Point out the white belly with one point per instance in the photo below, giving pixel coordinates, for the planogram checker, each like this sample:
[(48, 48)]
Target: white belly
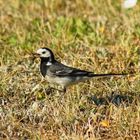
[(65, 81)]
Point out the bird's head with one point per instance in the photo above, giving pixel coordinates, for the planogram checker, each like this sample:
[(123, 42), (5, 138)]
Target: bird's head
[(44, 53)]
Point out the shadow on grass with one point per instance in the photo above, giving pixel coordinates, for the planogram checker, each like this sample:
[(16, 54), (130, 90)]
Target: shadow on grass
[(116, 99)]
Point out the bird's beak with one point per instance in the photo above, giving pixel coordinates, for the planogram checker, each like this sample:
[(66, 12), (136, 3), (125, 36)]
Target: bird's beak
[(36, 55)]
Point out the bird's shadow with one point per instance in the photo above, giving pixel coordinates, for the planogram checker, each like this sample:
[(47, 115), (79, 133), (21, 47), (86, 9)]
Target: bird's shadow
[(116, 99)]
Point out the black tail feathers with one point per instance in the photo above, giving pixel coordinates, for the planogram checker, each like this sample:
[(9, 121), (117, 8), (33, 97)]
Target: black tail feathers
[(106, 75)]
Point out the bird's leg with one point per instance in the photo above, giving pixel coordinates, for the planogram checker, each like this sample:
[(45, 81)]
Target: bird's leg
[(63, 91)]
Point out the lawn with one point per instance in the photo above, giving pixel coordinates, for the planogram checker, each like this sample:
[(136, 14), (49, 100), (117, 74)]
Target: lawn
[(93, 35)]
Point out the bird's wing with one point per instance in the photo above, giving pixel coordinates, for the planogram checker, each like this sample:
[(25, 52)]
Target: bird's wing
[(59, 69), (62, 70)]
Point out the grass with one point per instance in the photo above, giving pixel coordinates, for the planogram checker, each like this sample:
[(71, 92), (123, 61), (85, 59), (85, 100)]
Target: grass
[(92, 35)]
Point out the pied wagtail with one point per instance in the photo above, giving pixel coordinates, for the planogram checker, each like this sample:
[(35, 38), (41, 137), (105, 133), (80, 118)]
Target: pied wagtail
[(56, 72)]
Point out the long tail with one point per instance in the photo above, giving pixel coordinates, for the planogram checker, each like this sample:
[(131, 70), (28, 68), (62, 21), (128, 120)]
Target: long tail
[(106, 75)]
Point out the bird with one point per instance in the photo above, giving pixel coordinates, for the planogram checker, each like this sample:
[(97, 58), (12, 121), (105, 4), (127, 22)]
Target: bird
[(58, 73)]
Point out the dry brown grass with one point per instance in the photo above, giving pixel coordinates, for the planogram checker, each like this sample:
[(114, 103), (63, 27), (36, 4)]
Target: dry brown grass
[(92, 35)]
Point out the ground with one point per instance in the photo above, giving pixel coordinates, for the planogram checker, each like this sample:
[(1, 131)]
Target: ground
[(93, 35)]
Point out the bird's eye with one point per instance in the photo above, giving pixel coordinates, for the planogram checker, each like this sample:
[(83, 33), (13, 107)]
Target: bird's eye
[(43, 52)]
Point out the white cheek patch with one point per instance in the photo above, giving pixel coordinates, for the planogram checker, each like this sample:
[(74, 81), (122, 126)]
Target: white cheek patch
[(47, 54), (40, 52)]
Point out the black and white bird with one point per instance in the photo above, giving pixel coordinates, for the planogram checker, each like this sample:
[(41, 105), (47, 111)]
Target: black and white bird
[(56, 72)]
